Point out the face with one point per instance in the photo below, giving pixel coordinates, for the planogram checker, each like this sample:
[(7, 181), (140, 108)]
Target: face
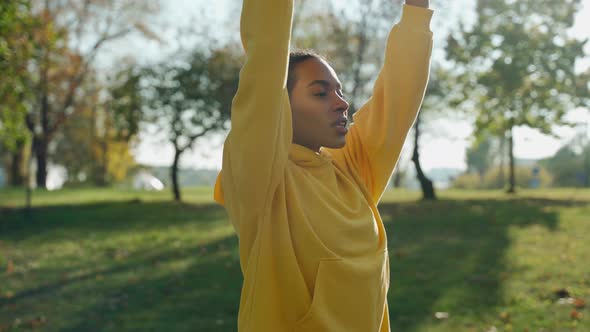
[(318, 107)]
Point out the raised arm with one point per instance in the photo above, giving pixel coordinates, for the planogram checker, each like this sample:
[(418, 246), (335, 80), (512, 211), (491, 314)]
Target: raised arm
[(380, 127), (256, 149)]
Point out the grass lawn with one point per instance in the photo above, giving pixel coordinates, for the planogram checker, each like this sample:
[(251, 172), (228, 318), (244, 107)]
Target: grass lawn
[(116, 260)]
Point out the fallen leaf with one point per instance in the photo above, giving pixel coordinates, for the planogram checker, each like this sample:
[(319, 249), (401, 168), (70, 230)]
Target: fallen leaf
[(576, 314), (579, 303)]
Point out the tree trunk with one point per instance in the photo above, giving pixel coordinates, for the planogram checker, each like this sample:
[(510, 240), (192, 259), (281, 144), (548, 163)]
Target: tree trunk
[(41, 140), (512, 182), (28, 186), (397, 178), (501, 178), (40, 151), (105, 163), (101, 172), (174, 175), (427, 187), (16, 177)]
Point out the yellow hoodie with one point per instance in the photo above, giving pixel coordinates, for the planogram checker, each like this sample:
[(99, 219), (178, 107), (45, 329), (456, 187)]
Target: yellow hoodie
[(313, 249)]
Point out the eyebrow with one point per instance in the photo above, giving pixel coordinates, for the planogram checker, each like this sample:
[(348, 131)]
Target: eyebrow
[(324, 83)]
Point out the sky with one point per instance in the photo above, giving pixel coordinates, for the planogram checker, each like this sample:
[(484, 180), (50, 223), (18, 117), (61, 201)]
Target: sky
[(444, 142)]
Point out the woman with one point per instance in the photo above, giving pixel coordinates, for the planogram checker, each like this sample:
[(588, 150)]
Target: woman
[(301, 186)]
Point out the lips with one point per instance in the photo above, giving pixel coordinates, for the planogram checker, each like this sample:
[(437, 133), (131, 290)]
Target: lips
[(341, 122), (340, 126)]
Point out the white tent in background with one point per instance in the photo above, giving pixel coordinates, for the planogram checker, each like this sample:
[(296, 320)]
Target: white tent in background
[(56, 177), (144, 180)]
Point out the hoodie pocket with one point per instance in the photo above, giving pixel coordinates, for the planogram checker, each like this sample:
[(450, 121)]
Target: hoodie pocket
[(349, 295)]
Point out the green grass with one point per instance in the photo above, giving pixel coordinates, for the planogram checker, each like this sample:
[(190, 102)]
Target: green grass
[(113, 260), (15, 198)]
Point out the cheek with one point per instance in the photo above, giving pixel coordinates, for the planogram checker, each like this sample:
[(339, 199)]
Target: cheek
[(312, 107), (309, 116)]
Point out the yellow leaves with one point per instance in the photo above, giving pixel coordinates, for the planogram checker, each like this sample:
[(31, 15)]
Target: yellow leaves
[(120, 160)]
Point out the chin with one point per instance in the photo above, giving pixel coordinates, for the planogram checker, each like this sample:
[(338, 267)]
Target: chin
[(337, 144)]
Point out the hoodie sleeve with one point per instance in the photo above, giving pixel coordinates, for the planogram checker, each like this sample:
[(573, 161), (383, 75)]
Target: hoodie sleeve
[(380, 126), (256, 149)]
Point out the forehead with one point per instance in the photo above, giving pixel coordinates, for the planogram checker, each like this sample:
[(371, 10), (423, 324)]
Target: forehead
[(314, 70)]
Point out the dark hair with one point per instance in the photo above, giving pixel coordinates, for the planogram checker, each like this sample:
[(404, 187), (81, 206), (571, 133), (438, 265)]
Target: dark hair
[(295, 58)]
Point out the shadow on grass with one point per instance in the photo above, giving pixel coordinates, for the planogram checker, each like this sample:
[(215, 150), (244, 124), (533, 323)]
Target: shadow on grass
[(144, 289), (202, 297), (450, 256), (445, 256), (104, 217)]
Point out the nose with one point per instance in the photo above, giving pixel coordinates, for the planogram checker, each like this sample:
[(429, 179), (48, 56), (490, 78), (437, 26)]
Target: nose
[(341, 104)]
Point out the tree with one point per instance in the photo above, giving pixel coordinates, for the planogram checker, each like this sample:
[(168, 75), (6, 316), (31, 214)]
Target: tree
[(117, 132), (16, 48), (89, 145), (570, 164), (428, 192), (68, 40), (479, 155), (516, 67), (435, 93), (188, 100)]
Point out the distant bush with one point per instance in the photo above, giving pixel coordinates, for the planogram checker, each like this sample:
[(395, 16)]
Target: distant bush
[(492, 179), (470, 180)]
